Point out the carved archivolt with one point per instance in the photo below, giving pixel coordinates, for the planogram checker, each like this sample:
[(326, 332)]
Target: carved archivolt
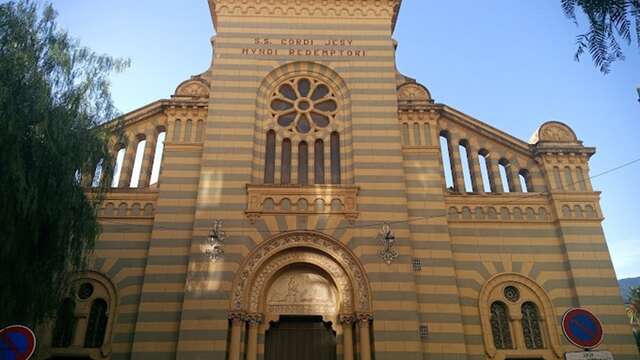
[(195, 87), (553, 131), (413, 92), (301, 247)]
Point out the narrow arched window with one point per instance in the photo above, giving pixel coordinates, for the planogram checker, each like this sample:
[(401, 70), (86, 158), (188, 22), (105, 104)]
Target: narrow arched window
[(137, 163), (526, 184), (303, 163), (405, 134), (558, 179), (199, 130), (97, 324), (97, 175), (65, 324), (581, 181), (157, 158), (531, 330), (416, 134), (568, 177), (446, 160), (187, 131), (504, 175), (463, 149), (483, 159), (117, 169), (176, 131), (285, 168), (427, 133), (319, 161), (270, 157), (500, 326), (335, 158)]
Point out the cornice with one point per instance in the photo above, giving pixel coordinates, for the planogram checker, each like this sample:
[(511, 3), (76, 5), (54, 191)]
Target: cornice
[(322, 8)]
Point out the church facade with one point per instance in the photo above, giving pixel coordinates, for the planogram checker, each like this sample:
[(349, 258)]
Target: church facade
[(302, 199)]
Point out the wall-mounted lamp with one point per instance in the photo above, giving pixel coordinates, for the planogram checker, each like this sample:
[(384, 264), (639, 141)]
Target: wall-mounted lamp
[(215, 241)]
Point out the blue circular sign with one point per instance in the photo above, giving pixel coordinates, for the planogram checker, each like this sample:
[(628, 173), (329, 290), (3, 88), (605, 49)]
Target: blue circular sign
[(582, 328), (17, 342)]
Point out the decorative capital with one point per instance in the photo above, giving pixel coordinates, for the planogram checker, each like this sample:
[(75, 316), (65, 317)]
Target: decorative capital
[(254, 319), (347, 319), (364, 318), (237, 315)]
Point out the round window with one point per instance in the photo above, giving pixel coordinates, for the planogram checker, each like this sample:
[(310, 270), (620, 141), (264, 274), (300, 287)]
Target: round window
[(511, 293), (304, 105), (85, 291)]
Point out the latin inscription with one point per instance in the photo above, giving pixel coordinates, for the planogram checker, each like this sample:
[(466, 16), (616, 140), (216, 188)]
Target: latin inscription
[(304, 47)]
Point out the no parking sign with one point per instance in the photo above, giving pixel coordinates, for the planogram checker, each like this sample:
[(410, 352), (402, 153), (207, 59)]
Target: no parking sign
[(17, 342), (582, 328)]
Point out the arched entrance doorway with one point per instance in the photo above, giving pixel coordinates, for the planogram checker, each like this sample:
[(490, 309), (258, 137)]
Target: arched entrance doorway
[(300, 280)]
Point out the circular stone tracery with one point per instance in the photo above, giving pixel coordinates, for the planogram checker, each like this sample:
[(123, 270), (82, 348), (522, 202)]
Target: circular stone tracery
[(303, 104)]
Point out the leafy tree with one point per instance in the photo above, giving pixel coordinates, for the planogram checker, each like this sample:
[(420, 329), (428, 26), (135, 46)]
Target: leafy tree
[(633, 310), (53, 95), (609, 22)]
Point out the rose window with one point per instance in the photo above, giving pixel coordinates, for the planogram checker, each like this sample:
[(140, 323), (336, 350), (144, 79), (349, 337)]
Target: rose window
[(303, 105)]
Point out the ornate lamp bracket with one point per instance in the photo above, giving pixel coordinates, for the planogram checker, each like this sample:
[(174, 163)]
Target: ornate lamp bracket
[(388, 253), (215, 240)]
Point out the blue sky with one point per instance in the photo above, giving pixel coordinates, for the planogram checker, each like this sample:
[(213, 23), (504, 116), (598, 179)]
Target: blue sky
[(507, 63)]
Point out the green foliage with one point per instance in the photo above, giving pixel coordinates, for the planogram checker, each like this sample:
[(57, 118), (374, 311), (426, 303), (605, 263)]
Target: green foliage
[(53, 95), (609, 22)]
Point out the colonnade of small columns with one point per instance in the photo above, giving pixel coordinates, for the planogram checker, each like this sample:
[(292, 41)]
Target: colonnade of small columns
[(252, 321)]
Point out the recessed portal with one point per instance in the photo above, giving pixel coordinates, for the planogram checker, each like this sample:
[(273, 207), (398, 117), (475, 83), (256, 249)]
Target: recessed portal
[(300, 337)]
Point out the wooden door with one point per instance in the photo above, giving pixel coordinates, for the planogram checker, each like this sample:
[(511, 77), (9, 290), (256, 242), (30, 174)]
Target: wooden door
[(300, 337)]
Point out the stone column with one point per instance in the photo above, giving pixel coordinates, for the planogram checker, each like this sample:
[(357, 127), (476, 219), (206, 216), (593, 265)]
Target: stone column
[(347, 335), (127, 163), (474, 168), (254, 320), (516, 327), (456, 165), (494, 175), (148, 158), (365, 339), (237, 321)]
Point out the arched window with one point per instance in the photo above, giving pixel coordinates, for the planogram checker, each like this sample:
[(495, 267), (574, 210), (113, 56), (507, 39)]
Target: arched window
[(463, 149), (117, 169), (416, 134), (446, 160), (558, 179), (65, 324), (157, 158), (97, 175), (176, 131), (581, 181), (526, 184), (270, 158), (199, 130), (568, 177), (97, 324), (335, 158), (187, 131), (483, 159), (405, 134), (303, 163), (137, 163), (500, 326), (285, 168), (319, 161), (531, 330)]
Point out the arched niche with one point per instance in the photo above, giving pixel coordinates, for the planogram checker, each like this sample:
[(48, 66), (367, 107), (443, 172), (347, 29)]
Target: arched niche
[(528, 291), (300, 248)]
